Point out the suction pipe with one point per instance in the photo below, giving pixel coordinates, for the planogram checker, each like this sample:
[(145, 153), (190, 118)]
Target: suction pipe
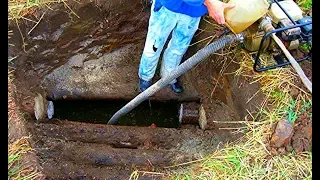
[(181, 69)]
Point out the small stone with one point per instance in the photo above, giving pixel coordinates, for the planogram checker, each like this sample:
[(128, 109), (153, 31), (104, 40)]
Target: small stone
[(153, 125), (39, 37), (282, 134), (50, 110), (147, 144)]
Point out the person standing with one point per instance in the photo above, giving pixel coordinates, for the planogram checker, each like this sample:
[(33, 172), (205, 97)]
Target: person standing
[(181, 18)]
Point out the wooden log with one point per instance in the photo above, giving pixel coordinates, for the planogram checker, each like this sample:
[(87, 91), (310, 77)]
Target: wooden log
[(117, 136), (221, 112), (189, 113), (202, 118), (105, 155)]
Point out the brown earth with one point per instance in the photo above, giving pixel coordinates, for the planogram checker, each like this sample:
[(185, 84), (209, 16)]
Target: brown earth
[(97, 57), (299, 138)]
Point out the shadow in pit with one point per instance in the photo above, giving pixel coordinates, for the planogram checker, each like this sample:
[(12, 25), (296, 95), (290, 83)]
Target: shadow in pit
[(159, 113)]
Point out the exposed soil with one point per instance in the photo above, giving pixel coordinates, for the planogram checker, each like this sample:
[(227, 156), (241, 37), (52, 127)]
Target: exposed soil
[(91, 58), (300, 137), (224, 96), (96, 56)]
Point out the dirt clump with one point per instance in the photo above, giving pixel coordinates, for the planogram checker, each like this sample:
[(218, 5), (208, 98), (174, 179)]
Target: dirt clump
[(302, 137), (282, 134), (287, 137)]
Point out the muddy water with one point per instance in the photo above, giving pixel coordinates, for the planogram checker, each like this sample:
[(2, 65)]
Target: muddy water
[(162, 114)]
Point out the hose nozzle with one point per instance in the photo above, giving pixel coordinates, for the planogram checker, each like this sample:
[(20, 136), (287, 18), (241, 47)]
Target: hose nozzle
[(266, 24), (239, 37)]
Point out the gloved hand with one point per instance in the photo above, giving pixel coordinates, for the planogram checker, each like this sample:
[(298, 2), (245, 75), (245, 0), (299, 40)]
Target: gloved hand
[(216, 9)]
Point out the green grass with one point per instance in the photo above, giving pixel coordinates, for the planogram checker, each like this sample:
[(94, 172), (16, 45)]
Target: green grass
[(305, 47), (292, 113), (306, 5), (249, 156), (16, 169)]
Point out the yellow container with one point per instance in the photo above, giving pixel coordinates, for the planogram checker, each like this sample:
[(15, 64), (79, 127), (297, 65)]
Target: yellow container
[(244, 14)]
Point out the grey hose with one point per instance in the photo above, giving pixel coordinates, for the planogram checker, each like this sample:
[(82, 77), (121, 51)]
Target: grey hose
[(181, 69)]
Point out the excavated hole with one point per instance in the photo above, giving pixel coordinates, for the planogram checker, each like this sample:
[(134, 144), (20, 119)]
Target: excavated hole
[(160, 113), (97, 56)]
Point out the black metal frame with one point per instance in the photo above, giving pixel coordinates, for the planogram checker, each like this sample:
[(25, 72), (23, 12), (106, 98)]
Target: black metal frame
[(279, 30)]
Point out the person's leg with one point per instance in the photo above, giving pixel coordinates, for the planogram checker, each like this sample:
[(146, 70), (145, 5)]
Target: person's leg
[(179, 43), (161, 23)]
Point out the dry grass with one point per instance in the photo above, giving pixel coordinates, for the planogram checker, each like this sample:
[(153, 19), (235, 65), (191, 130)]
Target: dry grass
[(20, 9), (17, 170), (26, 11), (248, 157)]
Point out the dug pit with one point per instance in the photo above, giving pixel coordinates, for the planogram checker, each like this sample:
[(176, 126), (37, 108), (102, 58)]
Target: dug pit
[(159, 113), (88, 67)]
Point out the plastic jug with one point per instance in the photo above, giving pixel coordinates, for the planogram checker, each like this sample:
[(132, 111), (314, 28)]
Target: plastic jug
[(244, 14)]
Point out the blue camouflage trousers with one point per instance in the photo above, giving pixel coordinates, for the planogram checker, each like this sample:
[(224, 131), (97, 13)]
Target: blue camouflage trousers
[(161, 23)]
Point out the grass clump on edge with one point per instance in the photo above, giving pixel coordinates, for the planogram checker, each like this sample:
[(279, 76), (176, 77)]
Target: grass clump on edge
[(18, 149), (306, 5), (23, 11), (19, 9), (16, 169), (248, 158)]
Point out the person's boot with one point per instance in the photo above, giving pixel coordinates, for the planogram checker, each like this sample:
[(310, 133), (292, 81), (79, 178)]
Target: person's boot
[(143, 85), (176, 87)]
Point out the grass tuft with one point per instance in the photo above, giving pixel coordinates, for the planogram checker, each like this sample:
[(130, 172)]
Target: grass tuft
[(306, 5), (249, 157), (19, 9), (16, 169)]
